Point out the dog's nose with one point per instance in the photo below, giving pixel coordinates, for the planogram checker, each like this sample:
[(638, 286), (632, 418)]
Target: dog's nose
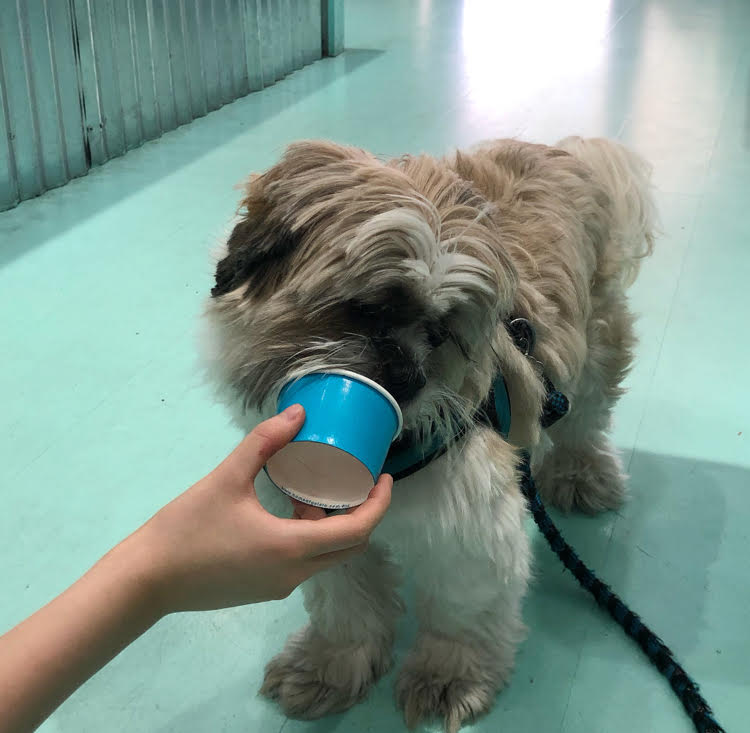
[(401, 375)]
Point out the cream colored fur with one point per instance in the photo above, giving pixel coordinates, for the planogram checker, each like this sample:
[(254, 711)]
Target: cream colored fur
[(335, 248)]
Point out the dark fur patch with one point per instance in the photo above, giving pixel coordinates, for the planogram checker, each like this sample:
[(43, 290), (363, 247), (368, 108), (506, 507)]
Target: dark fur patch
[(390, 308), (257, 251), (402, 376), (437, 332)]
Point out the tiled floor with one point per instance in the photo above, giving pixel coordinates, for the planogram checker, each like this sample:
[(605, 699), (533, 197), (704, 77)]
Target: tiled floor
[(104, 416)]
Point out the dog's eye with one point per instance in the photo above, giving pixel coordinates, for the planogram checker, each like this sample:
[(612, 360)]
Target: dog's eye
[(437, 334), (367, 315), (387, 309)]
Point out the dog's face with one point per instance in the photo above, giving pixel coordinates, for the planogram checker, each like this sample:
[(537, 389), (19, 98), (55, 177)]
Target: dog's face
[(395, 271)]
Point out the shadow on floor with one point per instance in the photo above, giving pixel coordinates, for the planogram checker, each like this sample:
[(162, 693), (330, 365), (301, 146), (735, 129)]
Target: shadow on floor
[(670, 529)]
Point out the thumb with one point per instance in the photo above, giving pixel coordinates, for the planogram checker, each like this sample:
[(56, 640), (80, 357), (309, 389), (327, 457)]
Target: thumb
[(267, 438)]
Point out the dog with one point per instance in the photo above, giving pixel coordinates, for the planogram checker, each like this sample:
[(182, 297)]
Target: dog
[(408, 272)]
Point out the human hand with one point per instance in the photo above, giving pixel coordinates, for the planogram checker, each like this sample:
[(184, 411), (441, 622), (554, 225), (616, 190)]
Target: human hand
[(215, 546)]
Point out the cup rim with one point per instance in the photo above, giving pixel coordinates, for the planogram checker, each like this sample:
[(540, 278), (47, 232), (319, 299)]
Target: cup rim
[(321, 504), (370, 383)]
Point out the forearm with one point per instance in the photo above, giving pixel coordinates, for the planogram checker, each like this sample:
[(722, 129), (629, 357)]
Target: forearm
[(49, 655)]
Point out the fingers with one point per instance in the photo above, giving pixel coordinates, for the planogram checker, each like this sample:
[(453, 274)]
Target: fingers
[(305, 511), (346, 531), (249, 457), (374, 509)]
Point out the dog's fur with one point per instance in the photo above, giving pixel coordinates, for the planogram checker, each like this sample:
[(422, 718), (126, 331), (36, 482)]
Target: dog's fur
[(406, 271)]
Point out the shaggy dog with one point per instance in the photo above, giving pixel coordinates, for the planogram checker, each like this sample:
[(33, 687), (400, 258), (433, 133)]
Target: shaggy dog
[(408, 272)]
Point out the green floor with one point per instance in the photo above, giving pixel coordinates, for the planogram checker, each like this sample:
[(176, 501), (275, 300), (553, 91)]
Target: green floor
[(104, 416)]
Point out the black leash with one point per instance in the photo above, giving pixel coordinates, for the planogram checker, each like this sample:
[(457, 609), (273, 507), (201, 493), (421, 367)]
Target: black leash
[(655, 649)]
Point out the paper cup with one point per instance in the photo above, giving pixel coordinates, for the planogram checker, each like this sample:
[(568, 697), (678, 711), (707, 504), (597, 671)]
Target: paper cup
[(336, 458)]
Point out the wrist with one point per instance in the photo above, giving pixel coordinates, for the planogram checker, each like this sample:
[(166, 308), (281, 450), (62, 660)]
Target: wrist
[(131, 564)]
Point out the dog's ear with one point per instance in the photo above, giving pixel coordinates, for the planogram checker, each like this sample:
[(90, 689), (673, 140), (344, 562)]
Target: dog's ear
[(257, 248)]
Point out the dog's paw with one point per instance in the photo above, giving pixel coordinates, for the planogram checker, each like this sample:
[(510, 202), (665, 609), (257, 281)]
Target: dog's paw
[(445, 679), (423, 696), (311, 677), (590, 481)]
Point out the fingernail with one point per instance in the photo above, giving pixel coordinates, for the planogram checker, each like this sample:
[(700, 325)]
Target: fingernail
[(293, 412)]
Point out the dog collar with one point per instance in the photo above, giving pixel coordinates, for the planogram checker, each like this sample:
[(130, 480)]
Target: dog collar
[(407, 455)]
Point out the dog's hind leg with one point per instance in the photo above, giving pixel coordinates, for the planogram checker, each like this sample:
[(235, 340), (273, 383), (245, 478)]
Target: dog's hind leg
[(582, 469)]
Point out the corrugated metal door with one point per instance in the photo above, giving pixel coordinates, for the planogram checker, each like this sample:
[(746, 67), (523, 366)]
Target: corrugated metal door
[(83, 81), (41, 141)]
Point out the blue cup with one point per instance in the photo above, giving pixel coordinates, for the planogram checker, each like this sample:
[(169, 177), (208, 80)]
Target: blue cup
[(337, 456)]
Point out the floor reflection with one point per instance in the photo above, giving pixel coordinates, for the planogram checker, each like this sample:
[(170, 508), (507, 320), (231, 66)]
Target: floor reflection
[(512, 49)]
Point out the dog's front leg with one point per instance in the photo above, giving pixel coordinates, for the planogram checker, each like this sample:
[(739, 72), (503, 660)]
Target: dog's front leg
[(330, 665), (469, 608)]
